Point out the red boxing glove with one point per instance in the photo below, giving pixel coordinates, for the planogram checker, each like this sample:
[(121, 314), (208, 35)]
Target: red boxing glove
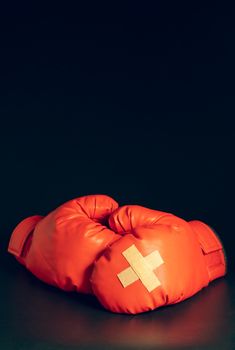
[(60, 248), (160, 260)]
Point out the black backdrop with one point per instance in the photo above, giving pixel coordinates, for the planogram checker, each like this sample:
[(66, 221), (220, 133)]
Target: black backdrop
[(134, 101)]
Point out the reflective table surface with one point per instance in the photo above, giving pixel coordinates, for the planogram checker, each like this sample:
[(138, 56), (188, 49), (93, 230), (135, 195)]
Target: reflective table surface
[(38, 316)]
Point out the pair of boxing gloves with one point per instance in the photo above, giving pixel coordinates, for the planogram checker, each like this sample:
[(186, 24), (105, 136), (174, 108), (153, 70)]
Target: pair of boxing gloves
[(133, 259)]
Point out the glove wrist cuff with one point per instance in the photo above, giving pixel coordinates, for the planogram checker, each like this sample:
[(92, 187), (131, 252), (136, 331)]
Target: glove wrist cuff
[(212, 249), (20, 237)]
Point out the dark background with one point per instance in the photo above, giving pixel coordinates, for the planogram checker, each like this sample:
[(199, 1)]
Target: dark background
[(133, 101)]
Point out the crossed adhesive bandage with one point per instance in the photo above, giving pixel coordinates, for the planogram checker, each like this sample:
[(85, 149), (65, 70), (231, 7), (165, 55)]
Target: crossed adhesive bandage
[(141, 268)]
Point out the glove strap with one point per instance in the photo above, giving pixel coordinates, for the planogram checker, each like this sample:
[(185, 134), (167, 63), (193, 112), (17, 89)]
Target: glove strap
[(212, 249), (20, 236)]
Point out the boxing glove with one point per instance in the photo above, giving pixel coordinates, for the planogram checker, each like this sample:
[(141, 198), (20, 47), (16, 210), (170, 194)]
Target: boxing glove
[(161, 259), (60, 248)]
